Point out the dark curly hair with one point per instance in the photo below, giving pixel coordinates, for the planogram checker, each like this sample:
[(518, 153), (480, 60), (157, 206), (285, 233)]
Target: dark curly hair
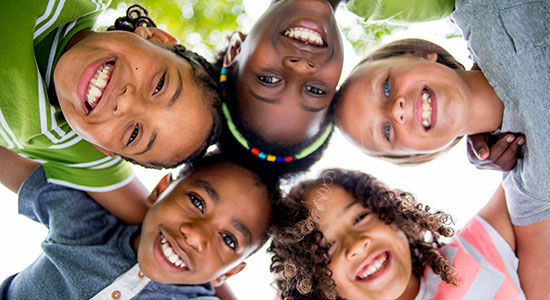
[(204, 73), (230, 145), (417, 47), (300, 259)]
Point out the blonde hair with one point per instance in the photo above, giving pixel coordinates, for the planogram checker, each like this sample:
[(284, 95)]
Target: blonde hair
[(421, 48)]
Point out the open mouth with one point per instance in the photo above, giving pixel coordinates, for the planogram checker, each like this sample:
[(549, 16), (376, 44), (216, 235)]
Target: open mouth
[(97, 85), (170, 254), (305, 35), (426, 109), (371, 269)]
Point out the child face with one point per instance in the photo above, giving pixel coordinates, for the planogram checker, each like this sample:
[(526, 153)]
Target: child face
[(289, 66), (209, 221), (147, 107), (369, 259), (383, 110)]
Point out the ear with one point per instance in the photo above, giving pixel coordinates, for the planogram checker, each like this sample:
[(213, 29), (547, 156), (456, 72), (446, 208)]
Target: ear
[(106, 152), (234, 48), (221, 279), (161, 186), (156, 35), (431, 56)]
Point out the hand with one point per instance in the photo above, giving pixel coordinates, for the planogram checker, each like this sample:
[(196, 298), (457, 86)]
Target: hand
[(502, 155)]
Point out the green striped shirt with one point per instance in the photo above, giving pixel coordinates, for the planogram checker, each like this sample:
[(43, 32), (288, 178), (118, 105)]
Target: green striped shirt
[(33, 35)]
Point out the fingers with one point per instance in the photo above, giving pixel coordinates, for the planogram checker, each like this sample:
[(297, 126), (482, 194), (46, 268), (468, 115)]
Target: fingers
[(505, 152), (501, 156), (477, 145)]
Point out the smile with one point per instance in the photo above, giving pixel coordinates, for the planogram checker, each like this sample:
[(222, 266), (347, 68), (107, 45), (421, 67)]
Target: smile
[(170, 254), (371, 269), (97, 85), (426, 109), (306, 32)]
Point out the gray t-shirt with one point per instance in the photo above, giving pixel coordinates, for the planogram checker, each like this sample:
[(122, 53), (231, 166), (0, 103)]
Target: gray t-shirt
[(85, 250), (510, 41)]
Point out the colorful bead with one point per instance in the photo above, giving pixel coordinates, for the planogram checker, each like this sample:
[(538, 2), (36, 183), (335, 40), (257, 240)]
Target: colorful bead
[(255, 151), (262, 155), (271, 157)]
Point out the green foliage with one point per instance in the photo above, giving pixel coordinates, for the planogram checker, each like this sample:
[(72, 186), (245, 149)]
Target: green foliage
[(365, 36), (198, 24)]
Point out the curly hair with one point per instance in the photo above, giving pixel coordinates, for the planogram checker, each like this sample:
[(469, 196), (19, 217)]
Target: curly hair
[(204, 74), (418, 47), (300, 260), (230, 145)]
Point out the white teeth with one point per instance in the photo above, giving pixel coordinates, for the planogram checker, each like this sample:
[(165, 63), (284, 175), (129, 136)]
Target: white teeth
[(426, 109), (374, 267), (170, 254), (305, 35), (98, 84)]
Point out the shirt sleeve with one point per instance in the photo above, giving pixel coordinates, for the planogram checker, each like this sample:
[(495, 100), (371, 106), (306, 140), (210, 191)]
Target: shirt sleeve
[(72, 217), (401, 11)]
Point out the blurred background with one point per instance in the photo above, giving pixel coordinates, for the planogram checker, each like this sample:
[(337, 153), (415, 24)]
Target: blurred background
[(449, 183)]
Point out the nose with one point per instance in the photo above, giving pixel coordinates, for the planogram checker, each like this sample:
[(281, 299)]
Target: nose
[(194, 237), (125, 101), (398, 110), (357, 248), (299, 65)]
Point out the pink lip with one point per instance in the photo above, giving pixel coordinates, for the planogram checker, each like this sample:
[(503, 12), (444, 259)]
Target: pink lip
[(163, 262), (84, 82), (418, 108), (311, 26), (366, 264)]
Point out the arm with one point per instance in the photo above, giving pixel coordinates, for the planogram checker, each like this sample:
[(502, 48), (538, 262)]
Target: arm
[(127, 202), (496, 214), (533, 242), (530, 242), (15, 169)]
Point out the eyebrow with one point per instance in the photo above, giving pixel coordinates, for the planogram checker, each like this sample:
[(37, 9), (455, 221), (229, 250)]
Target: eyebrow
[(150, 144), (208, 188), (312, 109), (242, 229), (178, 90), (267, 100), (238, 224)]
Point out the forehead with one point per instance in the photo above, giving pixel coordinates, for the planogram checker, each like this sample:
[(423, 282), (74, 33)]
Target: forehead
[(328, 201), (240, 195)]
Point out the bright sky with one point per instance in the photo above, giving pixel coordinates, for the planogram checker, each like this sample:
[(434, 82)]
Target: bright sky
[(449, 183)]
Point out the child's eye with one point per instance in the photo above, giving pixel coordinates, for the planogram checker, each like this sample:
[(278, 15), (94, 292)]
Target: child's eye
[(269, 79), (360, 218), (386, 87), (316, 91), (160, 85), (387, 131), (133, 135), (229, 240), (197, 202)]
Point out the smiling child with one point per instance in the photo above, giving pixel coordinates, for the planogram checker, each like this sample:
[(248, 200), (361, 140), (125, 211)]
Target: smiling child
[(351, 237), (409, 101), (71, 95), (199, 229)]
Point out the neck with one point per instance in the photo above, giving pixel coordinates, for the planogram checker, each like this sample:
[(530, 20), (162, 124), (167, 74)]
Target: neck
[(484, 109), (135, 241), (412, 289)]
